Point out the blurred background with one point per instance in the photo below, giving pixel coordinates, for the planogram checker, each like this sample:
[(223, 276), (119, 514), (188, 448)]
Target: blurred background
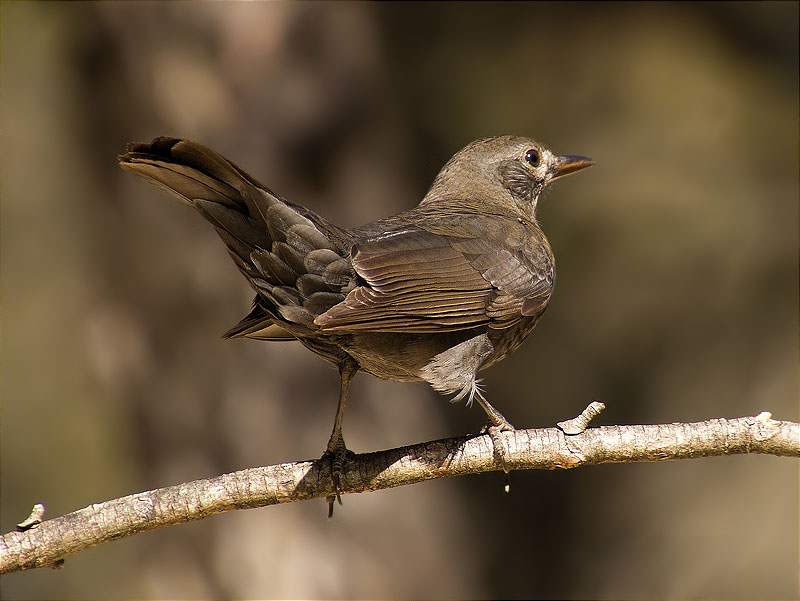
[(677, 293)]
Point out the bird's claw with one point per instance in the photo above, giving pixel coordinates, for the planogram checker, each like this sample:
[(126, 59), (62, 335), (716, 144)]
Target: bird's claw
[(338, 454), (494, 430)]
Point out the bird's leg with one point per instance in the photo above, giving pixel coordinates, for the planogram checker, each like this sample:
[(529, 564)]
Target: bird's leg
[(337, 450), (497, 424)]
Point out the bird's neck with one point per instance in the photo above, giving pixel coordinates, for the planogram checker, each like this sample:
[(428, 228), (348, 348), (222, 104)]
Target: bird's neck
[(475, 199)]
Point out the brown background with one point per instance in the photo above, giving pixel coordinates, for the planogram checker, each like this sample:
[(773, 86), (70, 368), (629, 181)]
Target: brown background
[(676, 297)]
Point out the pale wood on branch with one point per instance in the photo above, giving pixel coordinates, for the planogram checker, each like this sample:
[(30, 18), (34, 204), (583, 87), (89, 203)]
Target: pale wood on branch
[(46, 544)]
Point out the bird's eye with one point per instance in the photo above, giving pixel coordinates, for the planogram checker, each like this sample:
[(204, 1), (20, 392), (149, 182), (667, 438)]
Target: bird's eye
[(533, 157)]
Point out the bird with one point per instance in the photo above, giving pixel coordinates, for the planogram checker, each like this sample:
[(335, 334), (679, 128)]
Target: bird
[(435, 293)]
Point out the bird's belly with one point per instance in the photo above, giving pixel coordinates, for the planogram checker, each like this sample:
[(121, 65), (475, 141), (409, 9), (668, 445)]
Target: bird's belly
[(405, 357), (401, 357)]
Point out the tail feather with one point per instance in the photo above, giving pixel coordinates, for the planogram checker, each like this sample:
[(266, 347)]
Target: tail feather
[(272, 241), (259, 325), (186, 169)]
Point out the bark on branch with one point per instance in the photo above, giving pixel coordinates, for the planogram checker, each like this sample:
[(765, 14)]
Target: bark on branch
[(46, 544)]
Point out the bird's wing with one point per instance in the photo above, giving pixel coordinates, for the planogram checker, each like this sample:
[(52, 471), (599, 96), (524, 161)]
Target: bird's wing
[(419, 281)]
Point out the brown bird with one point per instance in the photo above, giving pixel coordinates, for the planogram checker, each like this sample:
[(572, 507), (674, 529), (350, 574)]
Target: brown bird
[(436, 293)]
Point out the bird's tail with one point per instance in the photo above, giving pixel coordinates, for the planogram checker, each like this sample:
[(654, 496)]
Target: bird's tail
[(292, 257), (234, 203)]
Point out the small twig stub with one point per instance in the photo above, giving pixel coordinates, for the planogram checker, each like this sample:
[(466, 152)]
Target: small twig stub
[(34, 519), (576, 425)]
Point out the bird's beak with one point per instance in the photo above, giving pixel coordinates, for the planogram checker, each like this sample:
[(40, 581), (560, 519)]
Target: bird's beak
[(569, 163)]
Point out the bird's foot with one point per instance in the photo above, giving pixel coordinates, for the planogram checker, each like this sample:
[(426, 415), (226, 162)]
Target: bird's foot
[(494, 430), (497, 424), (338, 454)]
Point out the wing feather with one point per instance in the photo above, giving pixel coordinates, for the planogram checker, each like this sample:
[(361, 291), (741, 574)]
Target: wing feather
[(419, 281)]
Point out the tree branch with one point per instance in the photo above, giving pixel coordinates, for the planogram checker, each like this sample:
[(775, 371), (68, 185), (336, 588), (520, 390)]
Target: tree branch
[(45, 544)]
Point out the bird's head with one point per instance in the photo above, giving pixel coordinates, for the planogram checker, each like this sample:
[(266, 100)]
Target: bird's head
[(502, 170)]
